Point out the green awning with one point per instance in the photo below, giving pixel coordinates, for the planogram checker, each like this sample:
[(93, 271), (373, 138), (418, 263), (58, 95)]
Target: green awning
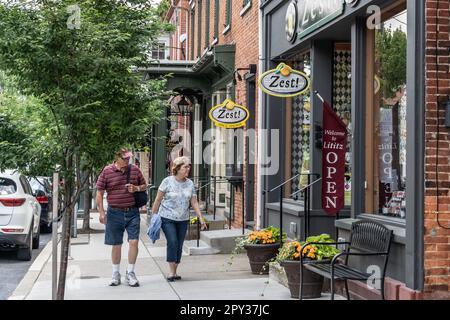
[(209, 73)]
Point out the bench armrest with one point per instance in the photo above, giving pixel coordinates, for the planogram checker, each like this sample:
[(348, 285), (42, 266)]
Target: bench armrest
[(326, 243), (341, 242), (333, 261)]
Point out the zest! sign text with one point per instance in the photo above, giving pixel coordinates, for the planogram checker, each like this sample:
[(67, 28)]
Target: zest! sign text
[(229, 115), (284, 82)]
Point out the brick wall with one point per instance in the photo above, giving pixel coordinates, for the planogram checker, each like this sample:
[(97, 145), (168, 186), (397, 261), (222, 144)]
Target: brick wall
[(244, 34), (436, 238)]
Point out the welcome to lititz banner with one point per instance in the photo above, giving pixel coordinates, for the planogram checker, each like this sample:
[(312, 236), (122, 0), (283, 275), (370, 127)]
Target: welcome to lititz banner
[(333, 161)]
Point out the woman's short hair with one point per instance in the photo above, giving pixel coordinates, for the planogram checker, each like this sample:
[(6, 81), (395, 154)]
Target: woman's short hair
[(178, 163)]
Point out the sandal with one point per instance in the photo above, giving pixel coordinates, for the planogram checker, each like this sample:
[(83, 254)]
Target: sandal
[(171, 279), (177, 277)]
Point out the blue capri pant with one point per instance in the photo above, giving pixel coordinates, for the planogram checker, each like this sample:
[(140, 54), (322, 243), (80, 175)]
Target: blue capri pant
[(175, 232)]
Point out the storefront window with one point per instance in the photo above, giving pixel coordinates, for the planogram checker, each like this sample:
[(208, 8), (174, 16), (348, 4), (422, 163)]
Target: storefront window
[(342, 103), (386, 161), (300, 124)]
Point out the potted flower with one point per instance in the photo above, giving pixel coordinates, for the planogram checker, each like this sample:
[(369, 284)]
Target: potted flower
[(192, 232), (289, 259), (261, 246)]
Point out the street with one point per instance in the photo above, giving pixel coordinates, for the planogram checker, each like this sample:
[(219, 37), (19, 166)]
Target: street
[(12, 270)]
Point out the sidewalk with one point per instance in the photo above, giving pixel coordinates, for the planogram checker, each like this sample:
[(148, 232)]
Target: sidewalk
[(205, 277)]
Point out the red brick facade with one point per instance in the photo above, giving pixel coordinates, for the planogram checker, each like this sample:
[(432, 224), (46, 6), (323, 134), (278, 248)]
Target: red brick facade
[(436, 238), (178, 15)]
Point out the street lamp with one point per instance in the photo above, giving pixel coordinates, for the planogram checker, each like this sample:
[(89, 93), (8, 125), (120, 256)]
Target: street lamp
[(183, 106)]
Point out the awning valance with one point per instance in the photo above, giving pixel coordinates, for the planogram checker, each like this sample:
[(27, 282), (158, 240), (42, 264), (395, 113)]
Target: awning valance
[(209, 73)]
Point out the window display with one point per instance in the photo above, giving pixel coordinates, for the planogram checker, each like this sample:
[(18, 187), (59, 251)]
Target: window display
[(388, 108)]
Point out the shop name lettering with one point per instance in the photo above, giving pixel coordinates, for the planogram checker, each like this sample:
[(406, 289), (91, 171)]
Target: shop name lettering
[(277, 83), (226, 114), (315, 10)]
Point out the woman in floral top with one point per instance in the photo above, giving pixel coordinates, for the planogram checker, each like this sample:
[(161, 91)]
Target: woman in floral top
[(175, 195)]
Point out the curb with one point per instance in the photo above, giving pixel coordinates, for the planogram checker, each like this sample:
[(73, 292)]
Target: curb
[(26, 285)]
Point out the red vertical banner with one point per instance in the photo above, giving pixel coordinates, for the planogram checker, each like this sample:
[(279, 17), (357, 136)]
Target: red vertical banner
[(333, 161)]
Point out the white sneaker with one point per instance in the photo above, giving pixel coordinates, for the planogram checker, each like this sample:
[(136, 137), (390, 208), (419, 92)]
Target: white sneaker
[(131, 279), (115, 281)]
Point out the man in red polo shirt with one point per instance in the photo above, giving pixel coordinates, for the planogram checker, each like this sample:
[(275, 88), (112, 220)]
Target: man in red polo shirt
[(122, 214)]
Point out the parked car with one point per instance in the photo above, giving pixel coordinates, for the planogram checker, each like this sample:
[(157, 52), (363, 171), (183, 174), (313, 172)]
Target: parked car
[(19, 215), (42, 190)]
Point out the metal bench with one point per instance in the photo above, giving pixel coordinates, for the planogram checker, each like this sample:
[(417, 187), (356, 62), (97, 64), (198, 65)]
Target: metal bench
[(367, 238)]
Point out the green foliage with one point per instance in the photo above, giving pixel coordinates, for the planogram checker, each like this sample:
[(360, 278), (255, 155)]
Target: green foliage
[(291, 250), (26, 132), (194, 220), (321, 250), (390, 55), (91, 98)]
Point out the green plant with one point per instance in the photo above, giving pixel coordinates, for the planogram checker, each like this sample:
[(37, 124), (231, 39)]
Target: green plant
[(291, 250), (194, 220)]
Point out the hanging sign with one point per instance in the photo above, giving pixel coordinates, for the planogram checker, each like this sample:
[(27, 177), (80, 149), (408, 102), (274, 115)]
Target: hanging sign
[(229, 115), (283, 81), (309, 15), (315, 13), (333, 161)]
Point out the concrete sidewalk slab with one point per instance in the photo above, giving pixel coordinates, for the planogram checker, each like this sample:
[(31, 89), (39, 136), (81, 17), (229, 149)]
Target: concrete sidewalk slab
[(234, 289), (204, 277), (97, 250), (153, 287)]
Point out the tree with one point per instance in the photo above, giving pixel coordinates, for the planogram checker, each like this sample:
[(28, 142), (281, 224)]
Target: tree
[(391, 57), (79, 59), (25, 131)]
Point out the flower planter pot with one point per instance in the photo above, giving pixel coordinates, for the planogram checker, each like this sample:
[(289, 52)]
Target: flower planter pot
[(312, 282), (259, 254)]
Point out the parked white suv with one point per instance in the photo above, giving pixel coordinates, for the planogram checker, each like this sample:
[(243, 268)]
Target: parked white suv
[(19, 215)]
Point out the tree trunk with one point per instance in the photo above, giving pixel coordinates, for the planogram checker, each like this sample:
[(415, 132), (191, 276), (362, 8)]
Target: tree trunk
[(65, 240), (86, 208), (69, 186)]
